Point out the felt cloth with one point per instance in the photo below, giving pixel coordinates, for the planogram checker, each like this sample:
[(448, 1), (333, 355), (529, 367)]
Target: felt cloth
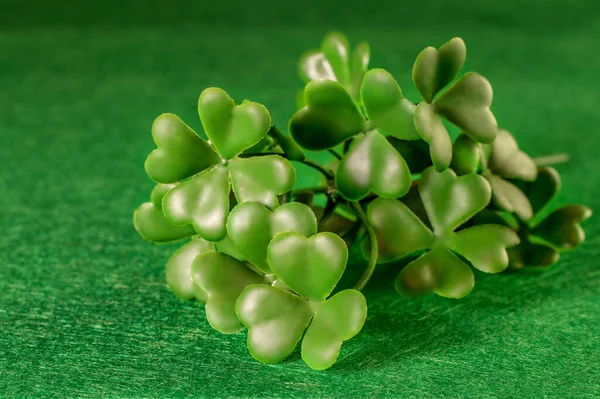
[(84, 310)]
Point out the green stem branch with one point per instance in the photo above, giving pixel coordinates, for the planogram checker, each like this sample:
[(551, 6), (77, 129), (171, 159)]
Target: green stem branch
[(553, 159), (318, 167), (366, 276)]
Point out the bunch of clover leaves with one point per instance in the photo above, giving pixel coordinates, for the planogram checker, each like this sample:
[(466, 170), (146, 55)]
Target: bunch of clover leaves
[(261, 255)]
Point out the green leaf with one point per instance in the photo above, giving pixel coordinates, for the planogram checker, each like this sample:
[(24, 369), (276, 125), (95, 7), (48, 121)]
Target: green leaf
[(466, 104), (432, 130), (386, 106), (359, 66), (508, 161), (340, 318), (450, 200), (226, 246), (276, 320), (434, 69), (336, 49), (465, 155), (151, 223), (251, 227), (261, 179), (222, 278), (313, 65), (399, 231), (329, 118), (202, 201), (438, 271), (310, 266), (544, 189), (509, 197), (484, 246), (179, 270), (232, 129), (532, 254), (372, 164), (181, 153), (562, 227)]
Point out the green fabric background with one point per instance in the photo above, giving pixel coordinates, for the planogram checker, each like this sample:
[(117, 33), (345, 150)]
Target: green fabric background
[(84, 311)]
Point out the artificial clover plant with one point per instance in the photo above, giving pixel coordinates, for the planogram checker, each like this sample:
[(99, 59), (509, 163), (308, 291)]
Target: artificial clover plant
[(266, 256)]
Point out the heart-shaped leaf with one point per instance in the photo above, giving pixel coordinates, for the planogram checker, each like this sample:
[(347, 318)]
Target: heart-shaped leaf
[(222, 278), (181, 152), (261, 179), (251, 227), (372, 164), (434, 69), (432, 130), (450, 200), (231, 128), (544, 189), (310, 266), (151, 223), (466, 104), (329, 118), (438, 271), (179, 270), (562, 227), (386, 106), (509, 197), (508, 161), (465, 155), (399, 231), (202, 201), (276, 320), (336, 49), (484, 246), (340, 318)]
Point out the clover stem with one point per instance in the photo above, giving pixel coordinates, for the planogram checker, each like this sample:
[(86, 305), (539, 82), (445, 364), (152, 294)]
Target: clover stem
[(334, 153), (314, 190), (366, 276), (553, 159), (318, 167)]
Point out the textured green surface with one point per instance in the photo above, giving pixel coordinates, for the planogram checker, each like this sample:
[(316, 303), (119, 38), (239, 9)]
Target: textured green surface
[(83, 306)]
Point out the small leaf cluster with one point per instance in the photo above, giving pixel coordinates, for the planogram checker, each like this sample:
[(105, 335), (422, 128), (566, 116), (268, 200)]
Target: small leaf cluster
[(261, 255)]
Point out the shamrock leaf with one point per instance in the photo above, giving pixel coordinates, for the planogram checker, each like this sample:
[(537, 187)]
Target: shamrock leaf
[(251, 226), (333, 61), (202, 201), (465, 104), (151, 223), (434, 69), (310, 266), (276, 320), (231, 129), (562, 227), (329, 118), (372, 164), (222, 278), (181, 152), (465, 155), (337, 320), (449, 202), (386, 107), (179, 270), (507, 161)]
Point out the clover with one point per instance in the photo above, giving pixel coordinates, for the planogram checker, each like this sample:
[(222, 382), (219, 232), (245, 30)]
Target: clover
[(507, 162), (546, 233), (465, 104), (334, 61), (330, 117), (208, 172), (277, 318), (449, 202)]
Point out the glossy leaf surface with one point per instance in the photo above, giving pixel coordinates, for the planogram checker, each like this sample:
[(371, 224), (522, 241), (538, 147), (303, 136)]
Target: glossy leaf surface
[(179, 270), (251, 226), (276, 320), (337, 320), (432, 130), (465, 155), (509, 197), (434, 69), (329, 118), (222, 278), (231, 129), (386, 107), (310, 266), (181, 153), (508, 161), (372, 164)]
